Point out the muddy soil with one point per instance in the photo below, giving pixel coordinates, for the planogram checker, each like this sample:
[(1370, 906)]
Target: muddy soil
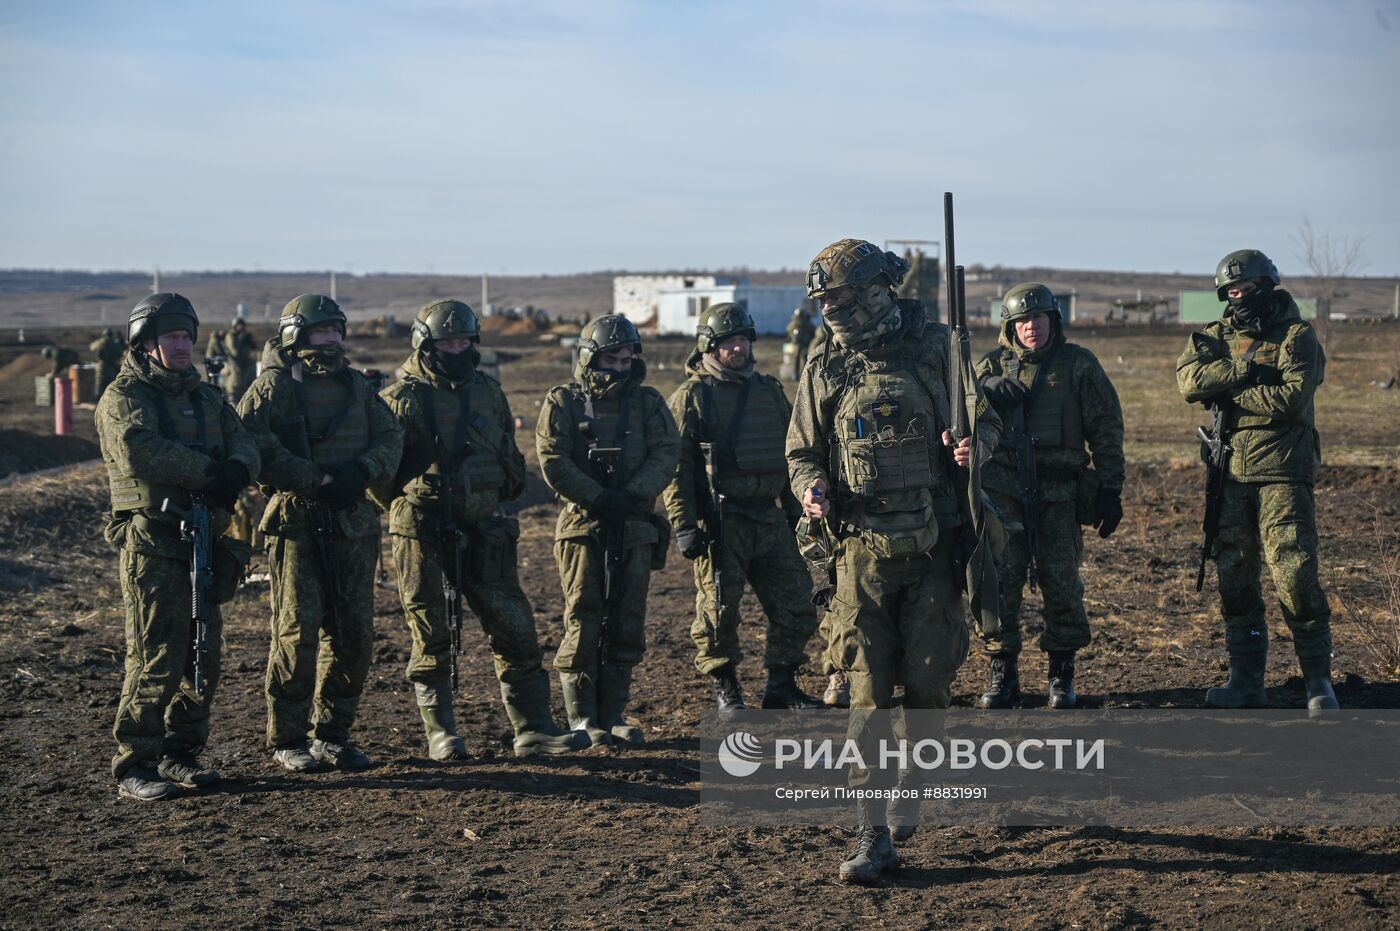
[(611, 838)]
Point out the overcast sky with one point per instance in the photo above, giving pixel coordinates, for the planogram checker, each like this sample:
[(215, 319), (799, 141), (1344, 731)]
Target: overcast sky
[(524, 136)]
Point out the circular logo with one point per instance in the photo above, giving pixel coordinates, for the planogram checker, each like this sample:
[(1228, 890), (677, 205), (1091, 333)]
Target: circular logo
[(740, 754)]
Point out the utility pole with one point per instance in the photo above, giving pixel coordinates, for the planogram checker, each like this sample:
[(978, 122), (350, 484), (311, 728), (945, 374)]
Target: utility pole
[(332, 285), (485, 296), (155, 281)]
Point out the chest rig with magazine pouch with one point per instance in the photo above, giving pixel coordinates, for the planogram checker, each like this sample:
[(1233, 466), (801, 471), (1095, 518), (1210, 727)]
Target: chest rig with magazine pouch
[(471, 465), (611, 450), (892, 487), (186, 422), (1049, 416)]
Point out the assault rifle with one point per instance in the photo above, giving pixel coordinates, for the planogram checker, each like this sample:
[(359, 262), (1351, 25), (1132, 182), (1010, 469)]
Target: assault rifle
[(1217, 446), (196, 531), (451, 550), (606, 462), (1030, 504), (323, 533), (715, 518), (213, 369)]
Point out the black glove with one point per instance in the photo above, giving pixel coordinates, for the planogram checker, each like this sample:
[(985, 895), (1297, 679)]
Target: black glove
[(1006, 394), (347, 484), (1268, 375), (692, 541), (1108, 511), (226, 479)]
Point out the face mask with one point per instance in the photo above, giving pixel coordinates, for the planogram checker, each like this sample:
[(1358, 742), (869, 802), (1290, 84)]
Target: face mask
[(602, 383), (1252, 312), (863, 322), (457, 366), (321, 359)]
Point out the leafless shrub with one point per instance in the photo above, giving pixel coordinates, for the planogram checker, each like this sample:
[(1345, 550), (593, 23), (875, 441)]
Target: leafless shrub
[(1373, 623)]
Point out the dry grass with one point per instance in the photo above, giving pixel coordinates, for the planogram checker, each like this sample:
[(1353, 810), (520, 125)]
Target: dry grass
[(1372, 621)]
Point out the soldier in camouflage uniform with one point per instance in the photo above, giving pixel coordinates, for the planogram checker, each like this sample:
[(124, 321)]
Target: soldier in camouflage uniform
[(241, 352), (459, 445), (743, 414), (1061, 410), (61, 359), (324, 436), (109, 350), (166, 436), (607, 445), (1263, 364), (800, 331), (868, 455)]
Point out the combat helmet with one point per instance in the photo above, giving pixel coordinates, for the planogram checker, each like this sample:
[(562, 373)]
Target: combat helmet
[(609, 332), (447, 319), (1244, 265), (142, 325), (852, 263), (721, 321), (306, 312), (1024, 300)]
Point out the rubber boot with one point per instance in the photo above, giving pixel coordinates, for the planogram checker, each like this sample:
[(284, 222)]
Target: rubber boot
[(1003, 682), (614, 691), (875, 854), (581, 705), (729, 695), (527, 706), (1062, 680), (1314, 653), (435, 706), (1249, 654), (838, 691), (782, 690)]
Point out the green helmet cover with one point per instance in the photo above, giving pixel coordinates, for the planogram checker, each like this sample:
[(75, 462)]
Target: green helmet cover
[(447, 319), (141, 325), (306, 312), (608, 332), (1023, 300), (721, 321), (1244, 265)]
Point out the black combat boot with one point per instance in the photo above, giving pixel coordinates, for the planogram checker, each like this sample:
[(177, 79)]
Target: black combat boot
[(1249, 654), (1314, 651), (1062, 680), (782, 690), (1003, 682), (580, 691), (729, 695), (143, 784), (903, 812), (875, 854)]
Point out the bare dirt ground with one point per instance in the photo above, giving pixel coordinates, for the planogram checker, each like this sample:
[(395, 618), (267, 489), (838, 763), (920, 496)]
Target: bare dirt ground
[(613, 839)]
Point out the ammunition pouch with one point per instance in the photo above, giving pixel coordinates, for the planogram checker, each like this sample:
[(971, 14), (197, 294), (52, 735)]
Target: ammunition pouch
[(491, 549), (230, 562), (1086, 493), (663, 541), (875, 466)]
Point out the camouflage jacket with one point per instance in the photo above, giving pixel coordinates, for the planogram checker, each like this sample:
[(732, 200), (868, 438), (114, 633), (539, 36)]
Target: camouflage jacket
[(1075, 402), (412, 495), (812, 440), (273, 411), (129, 429), (1270, 384), (652, 454), (762, 496)]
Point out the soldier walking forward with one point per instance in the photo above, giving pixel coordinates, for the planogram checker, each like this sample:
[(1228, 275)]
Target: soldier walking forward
[(868, 453), (1258, 368), (459, 463), (607, 446), (171, 442), (1061, 414), (324, 436), (733, 513)]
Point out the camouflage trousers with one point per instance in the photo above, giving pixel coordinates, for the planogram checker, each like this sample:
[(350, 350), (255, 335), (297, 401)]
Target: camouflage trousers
[(237, 381), (1278, 522), (320, 651), (765, 554), (498, 602), (581, 562), (159, 713), (1058, 551), (894, 621)]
